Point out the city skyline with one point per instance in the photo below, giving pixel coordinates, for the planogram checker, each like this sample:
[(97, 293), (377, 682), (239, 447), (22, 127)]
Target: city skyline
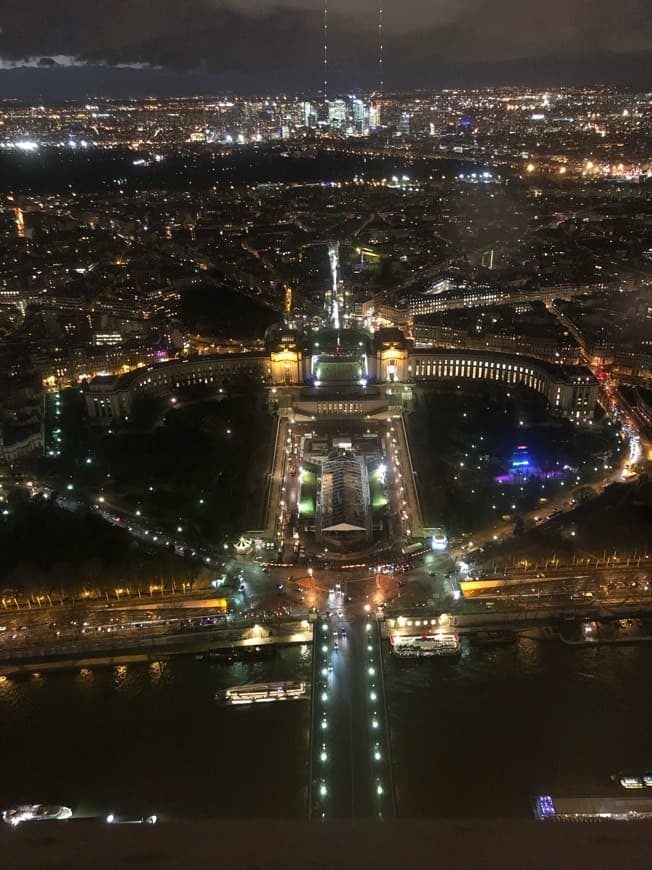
[(325, 429)]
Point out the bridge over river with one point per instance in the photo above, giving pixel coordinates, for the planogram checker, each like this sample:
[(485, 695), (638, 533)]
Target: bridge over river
[(350, 753)]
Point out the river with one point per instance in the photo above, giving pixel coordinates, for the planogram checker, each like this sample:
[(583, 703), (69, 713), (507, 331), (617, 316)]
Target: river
[(478, 736), (152, 739), (482, 735)]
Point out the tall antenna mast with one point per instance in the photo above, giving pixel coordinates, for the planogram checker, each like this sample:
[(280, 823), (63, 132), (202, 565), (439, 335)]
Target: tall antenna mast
[(325, 49), (380, 49)]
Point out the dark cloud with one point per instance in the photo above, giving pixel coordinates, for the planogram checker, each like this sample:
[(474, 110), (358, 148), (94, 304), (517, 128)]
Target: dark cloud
[(280, 40), (175, 35)]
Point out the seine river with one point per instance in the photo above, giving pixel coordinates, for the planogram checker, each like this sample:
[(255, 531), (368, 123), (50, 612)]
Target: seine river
[(474, 737), (481, 736), (152, 739)]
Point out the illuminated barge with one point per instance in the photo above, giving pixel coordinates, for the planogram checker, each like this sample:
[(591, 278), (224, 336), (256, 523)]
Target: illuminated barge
[(258, 693)]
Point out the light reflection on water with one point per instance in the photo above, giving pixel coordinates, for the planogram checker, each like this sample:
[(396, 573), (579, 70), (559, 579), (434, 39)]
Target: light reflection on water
[(150, 738), (475, 736)]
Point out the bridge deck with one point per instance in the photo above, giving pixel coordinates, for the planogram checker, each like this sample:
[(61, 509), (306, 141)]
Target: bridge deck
[(350, 769)]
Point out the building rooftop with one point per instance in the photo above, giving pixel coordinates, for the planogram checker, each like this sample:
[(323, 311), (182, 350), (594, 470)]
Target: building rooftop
[(343, 503)]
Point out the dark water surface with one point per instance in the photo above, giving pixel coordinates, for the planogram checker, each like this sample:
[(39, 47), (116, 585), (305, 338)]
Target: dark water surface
[(474, 737), (482, 735), (152, 739)]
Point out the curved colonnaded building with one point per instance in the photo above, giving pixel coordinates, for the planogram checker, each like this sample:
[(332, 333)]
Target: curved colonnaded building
[(333, 362)]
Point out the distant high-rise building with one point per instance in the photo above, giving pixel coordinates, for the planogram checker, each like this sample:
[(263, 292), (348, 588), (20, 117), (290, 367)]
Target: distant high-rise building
[(404, 123), (360, 115), (309, 115), (337, 114), (374, 116)]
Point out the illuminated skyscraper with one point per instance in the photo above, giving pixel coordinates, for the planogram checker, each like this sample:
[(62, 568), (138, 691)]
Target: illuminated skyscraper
[(337, 114), (360, 115), (309, 115)]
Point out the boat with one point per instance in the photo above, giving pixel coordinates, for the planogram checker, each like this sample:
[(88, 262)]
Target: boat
[(112, 819), (633, 781), (257, 693), (425, 645), (36, 813), (579, 809), (620, 631)]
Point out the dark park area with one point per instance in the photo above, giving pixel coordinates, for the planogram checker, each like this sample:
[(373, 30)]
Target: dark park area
[(465, 441), (196, 468), (46, 549), (617, 522), (213, 308)]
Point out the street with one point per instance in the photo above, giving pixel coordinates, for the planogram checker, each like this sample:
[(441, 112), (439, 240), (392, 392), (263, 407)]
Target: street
[(351, 775)]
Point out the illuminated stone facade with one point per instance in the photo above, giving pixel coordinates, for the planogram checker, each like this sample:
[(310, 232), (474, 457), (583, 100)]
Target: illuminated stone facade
[(570, 391)]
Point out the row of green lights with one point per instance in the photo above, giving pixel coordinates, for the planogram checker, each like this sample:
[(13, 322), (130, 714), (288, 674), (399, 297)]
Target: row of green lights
[(375, 724)]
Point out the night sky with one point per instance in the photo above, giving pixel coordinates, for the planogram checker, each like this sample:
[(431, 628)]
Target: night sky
[(78, 47)]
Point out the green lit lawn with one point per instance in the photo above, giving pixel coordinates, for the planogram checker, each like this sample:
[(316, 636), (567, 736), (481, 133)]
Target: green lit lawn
[(376, 492), (308, 493)]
